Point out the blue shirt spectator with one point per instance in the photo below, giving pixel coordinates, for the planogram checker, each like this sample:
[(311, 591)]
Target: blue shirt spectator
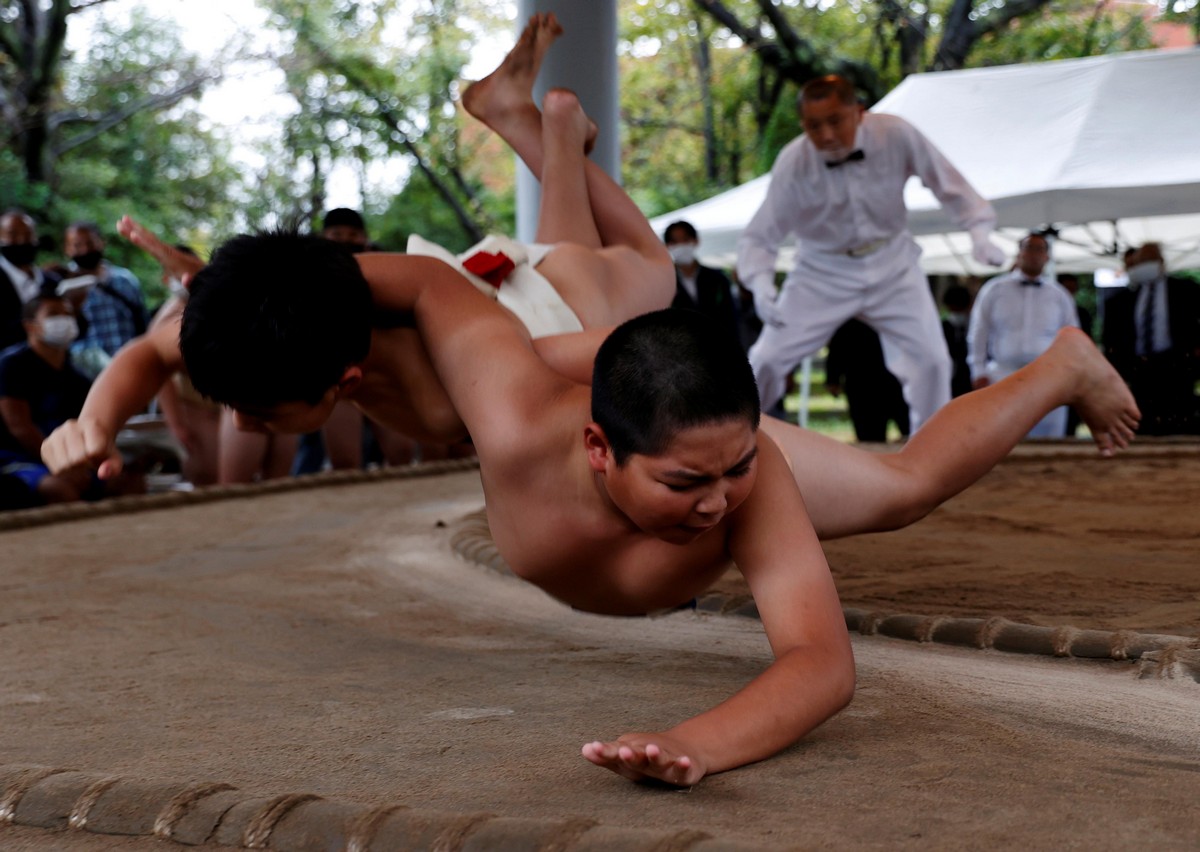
[(113, 309)]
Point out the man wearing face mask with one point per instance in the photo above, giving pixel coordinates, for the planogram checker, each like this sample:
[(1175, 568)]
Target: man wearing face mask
[(39, 391), (700, 288), (113, 309), (839, 189), (1152, 336), (20, 278)]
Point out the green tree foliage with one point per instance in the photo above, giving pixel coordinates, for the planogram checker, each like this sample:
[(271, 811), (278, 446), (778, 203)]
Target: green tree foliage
[(161, 165), (380, 79), (709, 87), (109, 131)]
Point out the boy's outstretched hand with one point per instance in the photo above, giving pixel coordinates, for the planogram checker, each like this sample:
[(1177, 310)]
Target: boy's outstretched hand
[(174, 262), (643, 756)]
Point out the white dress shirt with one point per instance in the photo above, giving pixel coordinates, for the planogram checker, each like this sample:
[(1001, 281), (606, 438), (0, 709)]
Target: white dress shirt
[(855, 204), (1013, 323), (689, 283), (27, 286)]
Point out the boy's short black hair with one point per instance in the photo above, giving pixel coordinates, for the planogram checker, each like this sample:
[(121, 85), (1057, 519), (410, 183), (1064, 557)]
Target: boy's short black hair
[(274, 318), (666, 371)]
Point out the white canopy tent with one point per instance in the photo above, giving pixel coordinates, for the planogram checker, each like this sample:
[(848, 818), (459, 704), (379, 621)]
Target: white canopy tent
[(1105, 149)]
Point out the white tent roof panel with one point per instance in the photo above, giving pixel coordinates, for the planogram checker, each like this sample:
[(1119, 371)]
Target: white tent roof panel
[(1056, 143)]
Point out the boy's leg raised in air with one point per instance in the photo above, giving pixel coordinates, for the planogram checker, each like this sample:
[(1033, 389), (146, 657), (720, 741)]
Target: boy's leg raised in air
[(850, 491), (581, 205)]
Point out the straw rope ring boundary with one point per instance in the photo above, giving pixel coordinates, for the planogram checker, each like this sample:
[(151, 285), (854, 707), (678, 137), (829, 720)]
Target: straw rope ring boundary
[(1160, 655)]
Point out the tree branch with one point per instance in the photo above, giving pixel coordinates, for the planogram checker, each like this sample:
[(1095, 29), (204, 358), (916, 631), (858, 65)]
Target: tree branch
[(1010, 11), (86, 4), (800, 50), (961, 33), (111, 119), (393, 123), (768, 51)]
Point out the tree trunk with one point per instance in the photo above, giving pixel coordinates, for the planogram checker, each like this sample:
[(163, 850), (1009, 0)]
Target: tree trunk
[(712, 153)]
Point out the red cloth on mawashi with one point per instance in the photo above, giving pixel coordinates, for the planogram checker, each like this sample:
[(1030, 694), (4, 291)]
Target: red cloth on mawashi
[(491, 267)]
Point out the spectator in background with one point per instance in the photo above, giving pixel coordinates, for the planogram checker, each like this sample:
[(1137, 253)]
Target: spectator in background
[(749, 325), (957, 300), (839, 190), (346, 226), (1015, 319), (113, 307), (873, 395), (39, 391), (1152, 336), (700, 288), (1070, 281), (20, 279)]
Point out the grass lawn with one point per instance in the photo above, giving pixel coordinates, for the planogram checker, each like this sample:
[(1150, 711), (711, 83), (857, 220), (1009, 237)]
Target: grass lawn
[(826, 414)]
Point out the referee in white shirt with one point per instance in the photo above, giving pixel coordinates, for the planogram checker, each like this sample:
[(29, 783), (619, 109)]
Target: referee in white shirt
[(839, 189), (1015, 319)]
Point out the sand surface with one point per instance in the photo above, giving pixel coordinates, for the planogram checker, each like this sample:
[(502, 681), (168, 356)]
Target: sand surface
[(1051, 537), (328, 641)]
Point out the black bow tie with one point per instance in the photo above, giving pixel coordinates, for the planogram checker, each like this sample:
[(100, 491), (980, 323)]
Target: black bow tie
[(1030, 282), (853, 156)]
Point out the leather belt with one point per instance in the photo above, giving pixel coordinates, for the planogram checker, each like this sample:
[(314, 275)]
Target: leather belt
[(867, 248)]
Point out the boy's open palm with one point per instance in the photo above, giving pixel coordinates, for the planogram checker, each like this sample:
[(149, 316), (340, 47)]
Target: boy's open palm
[(642, 756)]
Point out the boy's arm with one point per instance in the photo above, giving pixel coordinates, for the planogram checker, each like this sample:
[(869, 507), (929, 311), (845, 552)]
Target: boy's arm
[(812, 677), (396, 280), (175, 263), (572, 355), (483, 356), (393, 280), (123, 389)]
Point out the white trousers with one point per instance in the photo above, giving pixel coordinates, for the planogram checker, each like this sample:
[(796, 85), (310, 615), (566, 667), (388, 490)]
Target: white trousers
[(889, 292)]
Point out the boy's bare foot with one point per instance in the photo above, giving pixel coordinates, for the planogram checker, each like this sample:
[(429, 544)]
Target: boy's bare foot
[(509, 88), (562, 112), (1102, 398)]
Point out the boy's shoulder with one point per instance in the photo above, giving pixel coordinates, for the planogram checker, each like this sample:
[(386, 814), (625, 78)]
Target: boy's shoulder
[(542, 446)]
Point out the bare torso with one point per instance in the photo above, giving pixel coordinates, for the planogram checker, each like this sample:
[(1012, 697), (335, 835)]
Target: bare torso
[(555, 529), (401, 390)]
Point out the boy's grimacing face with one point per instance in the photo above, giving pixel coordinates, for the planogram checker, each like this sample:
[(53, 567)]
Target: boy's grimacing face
[(288, 418), (705, 473)]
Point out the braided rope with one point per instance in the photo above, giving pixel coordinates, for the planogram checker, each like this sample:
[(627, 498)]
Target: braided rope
[(258, 832), (174, 811), (59, 513), (472, 541), (87, 800)]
